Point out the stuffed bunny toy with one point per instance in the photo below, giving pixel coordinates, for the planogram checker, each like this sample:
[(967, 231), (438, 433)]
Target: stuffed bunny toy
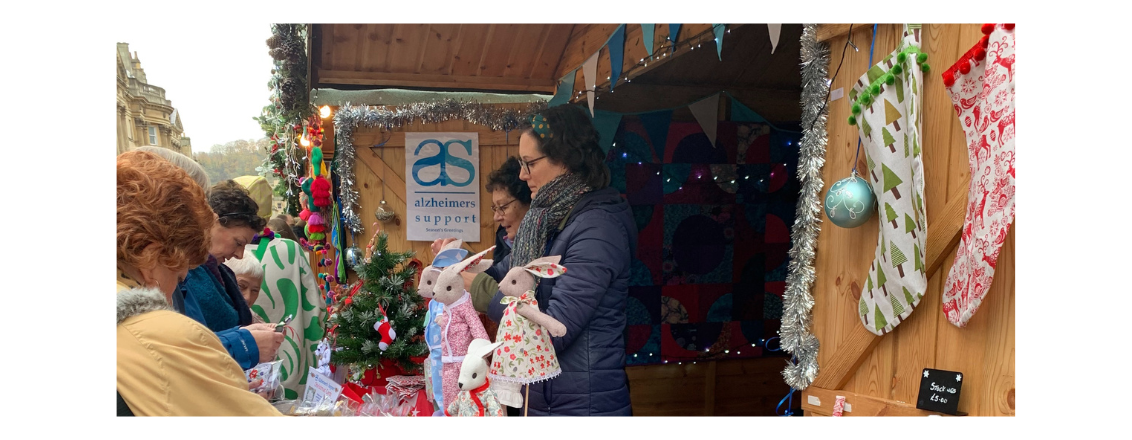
[(459, 322), (527, 355), (450, 254), (476, 398)]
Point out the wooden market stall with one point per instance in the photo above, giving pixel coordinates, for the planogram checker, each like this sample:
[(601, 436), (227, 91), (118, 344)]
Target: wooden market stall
[(881, 375), (349, 62)]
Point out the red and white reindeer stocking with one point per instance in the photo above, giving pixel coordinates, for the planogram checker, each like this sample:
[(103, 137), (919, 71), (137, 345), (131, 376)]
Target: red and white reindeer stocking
[(981, 84)]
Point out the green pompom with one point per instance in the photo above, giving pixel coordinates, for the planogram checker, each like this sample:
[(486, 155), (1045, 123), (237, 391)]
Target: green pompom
[(925, 67), (856, 108), (316, 161), (306, 187), (852, 120), (875, 89), (897, 69), (900, 57), (921, 58), (889, 79)]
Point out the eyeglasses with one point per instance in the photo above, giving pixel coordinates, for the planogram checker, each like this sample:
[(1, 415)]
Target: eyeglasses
[(527, 165), (502, 208)]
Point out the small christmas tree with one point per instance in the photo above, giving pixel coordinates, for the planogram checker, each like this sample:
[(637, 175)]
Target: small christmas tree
[(890, 214), (388, 289), (898, 259), (891, 180)]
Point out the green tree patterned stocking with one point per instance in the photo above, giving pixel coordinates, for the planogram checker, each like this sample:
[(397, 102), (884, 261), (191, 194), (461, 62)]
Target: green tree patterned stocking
[(889, 95)]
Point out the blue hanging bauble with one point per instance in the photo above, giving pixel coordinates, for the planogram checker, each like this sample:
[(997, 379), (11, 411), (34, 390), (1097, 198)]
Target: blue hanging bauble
[(850, 202)]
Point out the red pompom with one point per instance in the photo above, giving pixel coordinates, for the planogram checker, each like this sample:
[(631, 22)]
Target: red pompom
[(304, 214), (988, 28), (965, 67), (985, 41), (320, 190), (1008, 26), (980, 53), (948, 78)]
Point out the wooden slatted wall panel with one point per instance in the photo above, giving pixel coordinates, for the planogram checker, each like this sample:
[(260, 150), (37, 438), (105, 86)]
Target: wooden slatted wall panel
[(984, 350), (495, 147)]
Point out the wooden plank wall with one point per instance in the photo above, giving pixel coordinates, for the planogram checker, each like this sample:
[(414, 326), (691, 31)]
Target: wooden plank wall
[(984, 350), (387, 164)]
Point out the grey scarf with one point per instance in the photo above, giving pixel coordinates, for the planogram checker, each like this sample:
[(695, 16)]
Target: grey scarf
[(550, 206)]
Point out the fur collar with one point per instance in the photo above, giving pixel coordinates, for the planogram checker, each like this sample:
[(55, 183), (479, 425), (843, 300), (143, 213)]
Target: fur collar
[(138, 300)]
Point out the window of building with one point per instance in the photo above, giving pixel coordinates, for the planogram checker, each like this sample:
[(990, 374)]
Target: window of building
[(152, 135)]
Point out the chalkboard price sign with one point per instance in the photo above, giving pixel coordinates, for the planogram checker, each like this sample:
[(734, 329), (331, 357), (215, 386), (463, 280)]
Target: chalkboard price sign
[(939, 391)]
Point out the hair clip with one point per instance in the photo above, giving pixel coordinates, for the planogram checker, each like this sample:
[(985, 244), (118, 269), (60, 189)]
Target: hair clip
[(540, 126)]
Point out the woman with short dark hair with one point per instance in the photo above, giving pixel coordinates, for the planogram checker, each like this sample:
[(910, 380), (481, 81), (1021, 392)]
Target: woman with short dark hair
[(510, 200), (214, 287)]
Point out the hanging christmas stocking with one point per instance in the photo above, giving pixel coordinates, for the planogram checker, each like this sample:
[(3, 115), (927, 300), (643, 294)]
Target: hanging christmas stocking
[(981, 84), (887, 111)]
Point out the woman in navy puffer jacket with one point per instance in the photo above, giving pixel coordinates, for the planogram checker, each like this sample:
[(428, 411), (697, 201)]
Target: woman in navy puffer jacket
[(575, 214)]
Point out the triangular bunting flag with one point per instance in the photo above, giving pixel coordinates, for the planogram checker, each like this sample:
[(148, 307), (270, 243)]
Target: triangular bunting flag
[(742, 113), (565, 89), (606, 124), (718, 29), (706, 112), (673, 31), (616, 55), (656, 125), (589, 74), (775, 30), (647, 30)]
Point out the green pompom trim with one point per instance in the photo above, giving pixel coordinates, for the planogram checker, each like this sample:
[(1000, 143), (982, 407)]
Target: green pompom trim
[(889, 79), (922, 57), (897, 69), (856, 108), (852, 120), (925, 68), (875, 89), (900, 57)]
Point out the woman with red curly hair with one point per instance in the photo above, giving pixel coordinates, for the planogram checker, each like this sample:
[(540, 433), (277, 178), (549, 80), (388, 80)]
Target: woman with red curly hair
[(168, 364)]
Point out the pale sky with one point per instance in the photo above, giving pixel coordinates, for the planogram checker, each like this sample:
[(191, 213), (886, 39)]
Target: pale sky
[(216, 78)]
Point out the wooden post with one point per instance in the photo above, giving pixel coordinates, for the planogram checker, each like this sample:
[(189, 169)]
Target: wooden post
[(526, 399), (709, 390)]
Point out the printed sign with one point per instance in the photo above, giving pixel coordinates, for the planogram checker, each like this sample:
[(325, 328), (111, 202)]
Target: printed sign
[(442, 186), (939, 391), (320, 388)]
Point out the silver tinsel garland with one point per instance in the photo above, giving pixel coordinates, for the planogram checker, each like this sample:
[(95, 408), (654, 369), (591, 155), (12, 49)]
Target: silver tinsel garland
[(349, 117), (798, 302)]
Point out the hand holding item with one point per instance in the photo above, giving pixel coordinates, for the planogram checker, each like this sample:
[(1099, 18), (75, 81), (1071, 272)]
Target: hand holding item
[(267, 339)]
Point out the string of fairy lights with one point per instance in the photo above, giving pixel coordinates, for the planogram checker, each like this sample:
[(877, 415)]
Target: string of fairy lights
[(667, 48)]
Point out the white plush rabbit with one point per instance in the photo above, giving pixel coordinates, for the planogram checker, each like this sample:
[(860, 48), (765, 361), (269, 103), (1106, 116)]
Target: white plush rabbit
[(459, 322), (450, 254), (476, 398), (527, 355)]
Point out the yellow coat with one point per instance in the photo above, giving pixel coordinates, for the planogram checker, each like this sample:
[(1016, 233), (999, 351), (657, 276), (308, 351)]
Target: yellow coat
[(170, 365)]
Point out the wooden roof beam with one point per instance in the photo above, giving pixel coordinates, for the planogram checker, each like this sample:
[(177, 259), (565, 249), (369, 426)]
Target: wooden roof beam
[(448, 82)]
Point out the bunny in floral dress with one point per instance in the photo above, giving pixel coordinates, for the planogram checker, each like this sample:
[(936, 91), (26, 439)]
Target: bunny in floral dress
[(526, 355)]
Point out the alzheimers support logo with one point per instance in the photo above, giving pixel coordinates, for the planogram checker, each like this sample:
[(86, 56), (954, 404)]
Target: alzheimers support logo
[(444, 160)]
